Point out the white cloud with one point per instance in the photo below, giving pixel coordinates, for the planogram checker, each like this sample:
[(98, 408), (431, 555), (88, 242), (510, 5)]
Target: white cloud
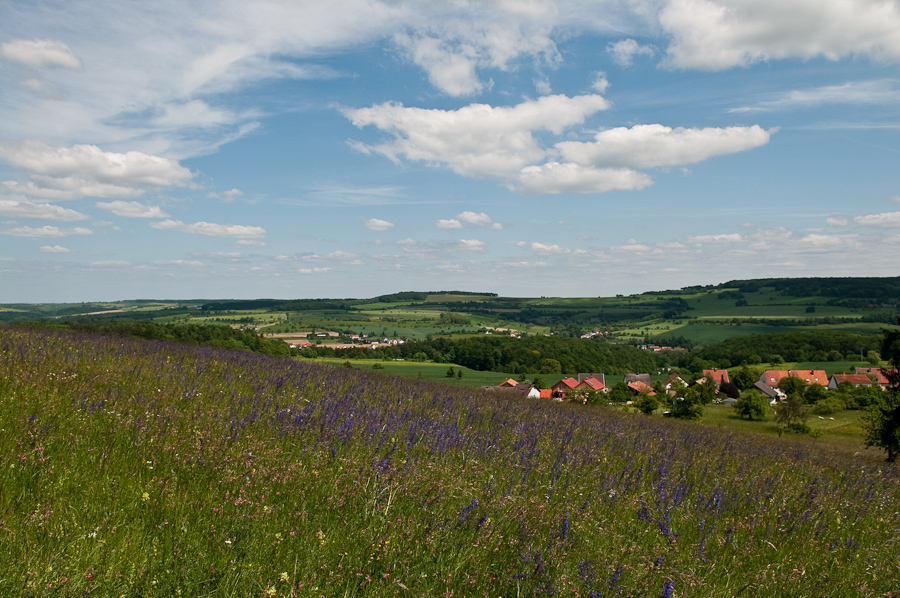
[(471, 245), (39, 53), (624, 51), (132, 209), (40, 211), (454, 44), (723, 238), (544, 249), (313, 270), (211, 230), (251, 243), (53, 249), (46, 232), (885, 220), (478, 139), (555, 177), (449, 224), (716, 35), (478, 219), (378, 225), (228, 196), (86, 170), (191, 263), (876, 92), (651, 146), (837, 221), (601, 83)]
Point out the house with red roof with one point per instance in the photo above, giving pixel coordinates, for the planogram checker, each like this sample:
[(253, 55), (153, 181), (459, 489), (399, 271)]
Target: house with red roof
[(563, 386), (642, 388), (811, 376), (720, 376), (773, 377), (591, 384), (854, 379), (509, 382), (876, 373)]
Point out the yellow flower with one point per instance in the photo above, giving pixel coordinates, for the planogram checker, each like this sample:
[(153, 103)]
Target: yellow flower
[(145, 496), (270, 591), (284, 576)]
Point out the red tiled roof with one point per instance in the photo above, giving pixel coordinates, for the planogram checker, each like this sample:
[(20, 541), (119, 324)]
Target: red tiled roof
[(566, 382), (720, 376), (877, 372), (642, 388), (773, 377), (592, 383), (546, 393), (811, 376), (854, 379), (508, 382)]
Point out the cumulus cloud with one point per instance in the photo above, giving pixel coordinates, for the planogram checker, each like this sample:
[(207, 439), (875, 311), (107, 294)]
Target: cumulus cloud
[(449, 224), (39, 53), (555, 177), (837, 221), (652, 146), (86, 170), (211, 230), (478, 219), (132, 209), (478, 139), (378, 225), (471, 245), (46, 232), (716, 35), (885, 220), (53, 249), (544, 249), (624, 51), (313, 270), (39, 211)]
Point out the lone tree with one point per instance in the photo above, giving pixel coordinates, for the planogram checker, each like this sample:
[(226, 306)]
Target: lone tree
[(752, 403), (792, 414), (881, 423)]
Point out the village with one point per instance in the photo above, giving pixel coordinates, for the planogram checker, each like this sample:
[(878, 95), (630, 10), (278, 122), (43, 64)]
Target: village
[(770, 383)]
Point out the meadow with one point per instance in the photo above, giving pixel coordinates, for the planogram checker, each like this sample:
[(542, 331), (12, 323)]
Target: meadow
[(137, 468)]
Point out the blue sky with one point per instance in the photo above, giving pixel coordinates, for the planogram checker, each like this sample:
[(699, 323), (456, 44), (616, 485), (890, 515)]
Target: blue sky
[(178, 150)]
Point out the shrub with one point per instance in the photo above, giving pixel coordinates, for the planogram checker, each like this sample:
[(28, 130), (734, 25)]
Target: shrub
[(828, 406)]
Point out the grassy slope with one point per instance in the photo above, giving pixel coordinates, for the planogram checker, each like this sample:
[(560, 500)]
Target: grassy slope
[(145, 469)]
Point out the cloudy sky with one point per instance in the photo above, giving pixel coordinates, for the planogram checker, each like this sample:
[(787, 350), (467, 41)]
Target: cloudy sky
[(350, 148)]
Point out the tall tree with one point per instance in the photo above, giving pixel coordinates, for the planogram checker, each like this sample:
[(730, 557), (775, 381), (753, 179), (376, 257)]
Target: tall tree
[(881, 422)]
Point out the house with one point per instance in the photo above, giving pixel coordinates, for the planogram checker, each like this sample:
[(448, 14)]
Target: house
[(773, 377), (599, 377), (546, 393), (720, 376), (773, 392), (509, 382), (591, 384), (671, 381), (641, 388), (876, 373), (854, 379), (811, 376), (563, 386), (645, 378)]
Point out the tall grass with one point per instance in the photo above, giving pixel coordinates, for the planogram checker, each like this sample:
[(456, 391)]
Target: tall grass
[(149, 469)]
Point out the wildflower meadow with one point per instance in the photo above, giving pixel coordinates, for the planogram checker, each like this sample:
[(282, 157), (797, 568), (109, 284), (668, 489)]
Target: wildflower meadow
[(139, 468)]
